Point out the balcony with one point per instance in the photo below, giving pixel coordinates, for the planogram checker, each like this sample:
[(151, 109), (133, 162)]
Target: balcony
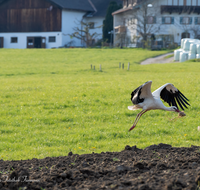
[(179, 9), (120, 29)]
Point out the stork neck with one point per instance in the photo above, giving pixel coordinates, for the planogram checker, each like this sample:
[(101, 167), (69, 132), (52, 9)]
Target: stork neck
[(167, 108)]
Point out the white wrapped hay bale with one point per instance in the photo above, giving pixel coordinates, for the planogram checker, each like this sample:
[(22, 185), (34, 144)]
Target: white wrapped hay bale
[(197, 56), (193, 48), (177, 54), (191, 56), (183, 56), (182, 42), (198, 48), (186, 46)]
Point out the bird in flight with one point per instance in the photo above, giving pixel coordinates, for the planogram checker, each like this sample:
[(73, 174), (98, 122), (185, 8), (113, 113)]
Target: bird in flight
[(142, 98)]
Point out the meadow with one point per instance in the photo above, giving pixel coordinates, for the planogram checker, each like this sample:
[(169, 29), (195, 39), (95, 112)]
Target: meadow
[(52, 102)]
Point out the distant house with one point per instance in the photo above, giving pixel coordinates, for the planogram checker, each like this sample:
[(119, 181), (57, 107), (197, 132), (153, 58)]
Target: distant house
[(47, 23), (169, 21)]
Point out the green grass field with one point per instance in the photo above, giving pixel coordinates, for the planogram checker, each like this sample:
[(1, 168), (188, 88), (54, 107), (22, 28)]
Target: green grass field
[(53, 103)]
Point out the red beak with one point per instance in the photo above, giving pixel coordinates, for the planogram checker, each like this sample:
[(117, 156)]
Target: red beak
[(177, 110)]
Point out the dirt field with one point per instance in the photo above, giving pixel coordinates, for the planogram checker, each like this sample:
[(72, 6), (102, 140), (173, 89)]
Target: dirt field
[(156, 167)]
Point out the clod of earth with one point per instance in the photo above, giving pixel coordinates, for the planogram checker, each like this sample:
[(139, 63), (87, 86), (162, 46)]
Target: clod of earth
[(154, 168), (181, 114)]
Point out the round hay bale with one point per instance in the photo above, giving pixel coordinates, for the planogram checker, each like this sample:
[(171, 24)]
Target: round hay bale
[(186, 46), (198, 48), (177, 54), (197, 56), (193, 48), (183, 56), (191, 56), (182, 42)]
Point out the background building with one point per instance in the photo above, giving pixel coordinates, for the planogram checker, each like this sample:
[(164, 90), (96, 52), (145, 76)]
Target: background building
[(47, 23), (162, 22)]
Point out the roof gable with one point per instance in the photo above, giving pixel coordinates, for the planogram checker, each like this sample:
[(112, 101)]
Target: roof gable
[(80, 5)]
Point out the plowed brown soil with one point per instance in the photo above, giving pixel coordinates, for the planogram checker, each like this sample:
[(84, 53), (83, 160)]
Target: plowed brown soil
[(156, 167)]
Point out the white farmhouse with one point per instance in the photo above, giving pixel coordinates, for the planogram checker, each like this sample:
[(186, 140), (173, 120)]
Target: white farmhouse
[(47, 23), (167, 22)]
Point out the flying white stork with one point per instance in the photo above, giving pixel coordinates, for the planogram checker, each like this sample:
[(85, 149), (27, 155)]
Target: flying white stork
[(143, 98)]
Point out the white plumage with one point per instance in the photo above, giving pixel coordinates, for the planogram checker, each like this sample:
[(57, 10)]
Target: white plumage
[(142, 98)]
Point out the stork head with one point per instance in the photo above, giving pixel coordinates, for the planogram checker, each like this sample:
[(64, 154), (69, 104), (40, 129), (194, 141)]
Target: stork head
[(174, 108)]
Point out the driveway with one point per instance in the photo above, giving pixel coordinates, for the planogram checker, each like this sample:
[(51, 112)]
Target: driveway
[(159, 59)]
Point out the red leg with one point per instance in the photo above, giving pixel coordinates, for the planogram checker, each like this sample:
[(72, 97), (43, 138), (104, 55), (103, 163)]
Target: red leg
[(137, 119)]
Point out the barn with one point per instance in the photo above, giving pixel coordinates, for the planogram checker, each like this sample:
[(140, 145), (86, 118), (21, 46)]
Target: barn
[(45, 23)]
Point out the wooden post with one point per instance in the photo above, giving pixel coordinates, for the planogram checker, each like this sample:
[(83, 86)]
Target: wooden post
[(119, 65), (128, 66), (94, 67), (122, 65), (91, 66)]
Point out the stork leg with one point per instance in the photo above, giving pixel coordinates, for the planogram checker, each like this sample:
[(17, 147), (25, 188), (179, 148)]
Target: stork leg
[(137, 119)]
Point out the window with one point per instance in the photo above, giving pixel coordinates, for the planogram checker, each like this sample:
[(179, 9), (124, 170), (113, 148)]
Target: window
[(30, 42), (13, 39), (167, 20), (91, 25), (197, 20), (151, 20), (185, 20), (52, 39)]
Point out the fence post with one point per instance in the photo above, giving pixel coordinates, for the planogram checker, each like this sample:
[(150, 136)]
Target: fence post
[(122, 65), (91, 66), (94, 67), (119, 65), (128, 66), (100, 68)]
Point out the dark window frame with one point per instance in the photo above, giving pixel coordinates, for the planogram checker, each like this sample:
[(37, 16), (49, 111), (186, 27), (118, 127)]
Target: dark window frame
[(14, 40), (197, 20), (164, 20), (183, 20), (52, 39)]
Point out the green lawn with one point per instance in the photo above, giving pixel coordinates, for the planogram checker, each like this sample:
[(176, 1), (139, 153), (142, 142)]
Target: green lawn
[(53, 103)]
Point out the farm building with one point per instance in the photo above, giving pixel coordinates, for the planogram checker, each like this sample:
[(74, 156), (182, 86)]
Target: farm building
[(163, 22), (47, 23)]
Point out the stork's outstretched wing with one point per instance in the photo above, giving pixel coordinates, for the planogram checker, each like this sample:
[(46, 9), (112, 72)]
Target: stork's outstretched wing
[(142, 92), (173, 96)]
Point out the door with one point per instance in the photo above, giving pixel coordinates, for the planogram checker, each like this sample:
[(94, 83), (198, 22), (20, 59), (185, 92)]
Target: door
[(185, 35), (30, 42), (1, 42), (43, 42)]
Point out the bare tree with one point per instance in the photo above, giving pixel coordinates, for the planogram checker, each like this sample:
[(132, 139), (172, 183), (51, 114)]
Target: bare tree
[(83, 32), (196, 31), (145, 20)]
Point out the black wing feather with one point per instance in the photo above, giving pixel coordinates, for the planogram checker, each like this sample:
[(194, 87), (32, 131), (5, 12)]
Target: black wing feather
[(179, 103), (182, 102), (174, 98), (135, 95)]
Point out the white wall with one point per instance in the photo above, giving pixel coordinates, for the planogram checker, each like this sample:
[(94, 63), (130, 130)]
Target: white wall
[(22, 39), (69, 20), (175, 29)]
